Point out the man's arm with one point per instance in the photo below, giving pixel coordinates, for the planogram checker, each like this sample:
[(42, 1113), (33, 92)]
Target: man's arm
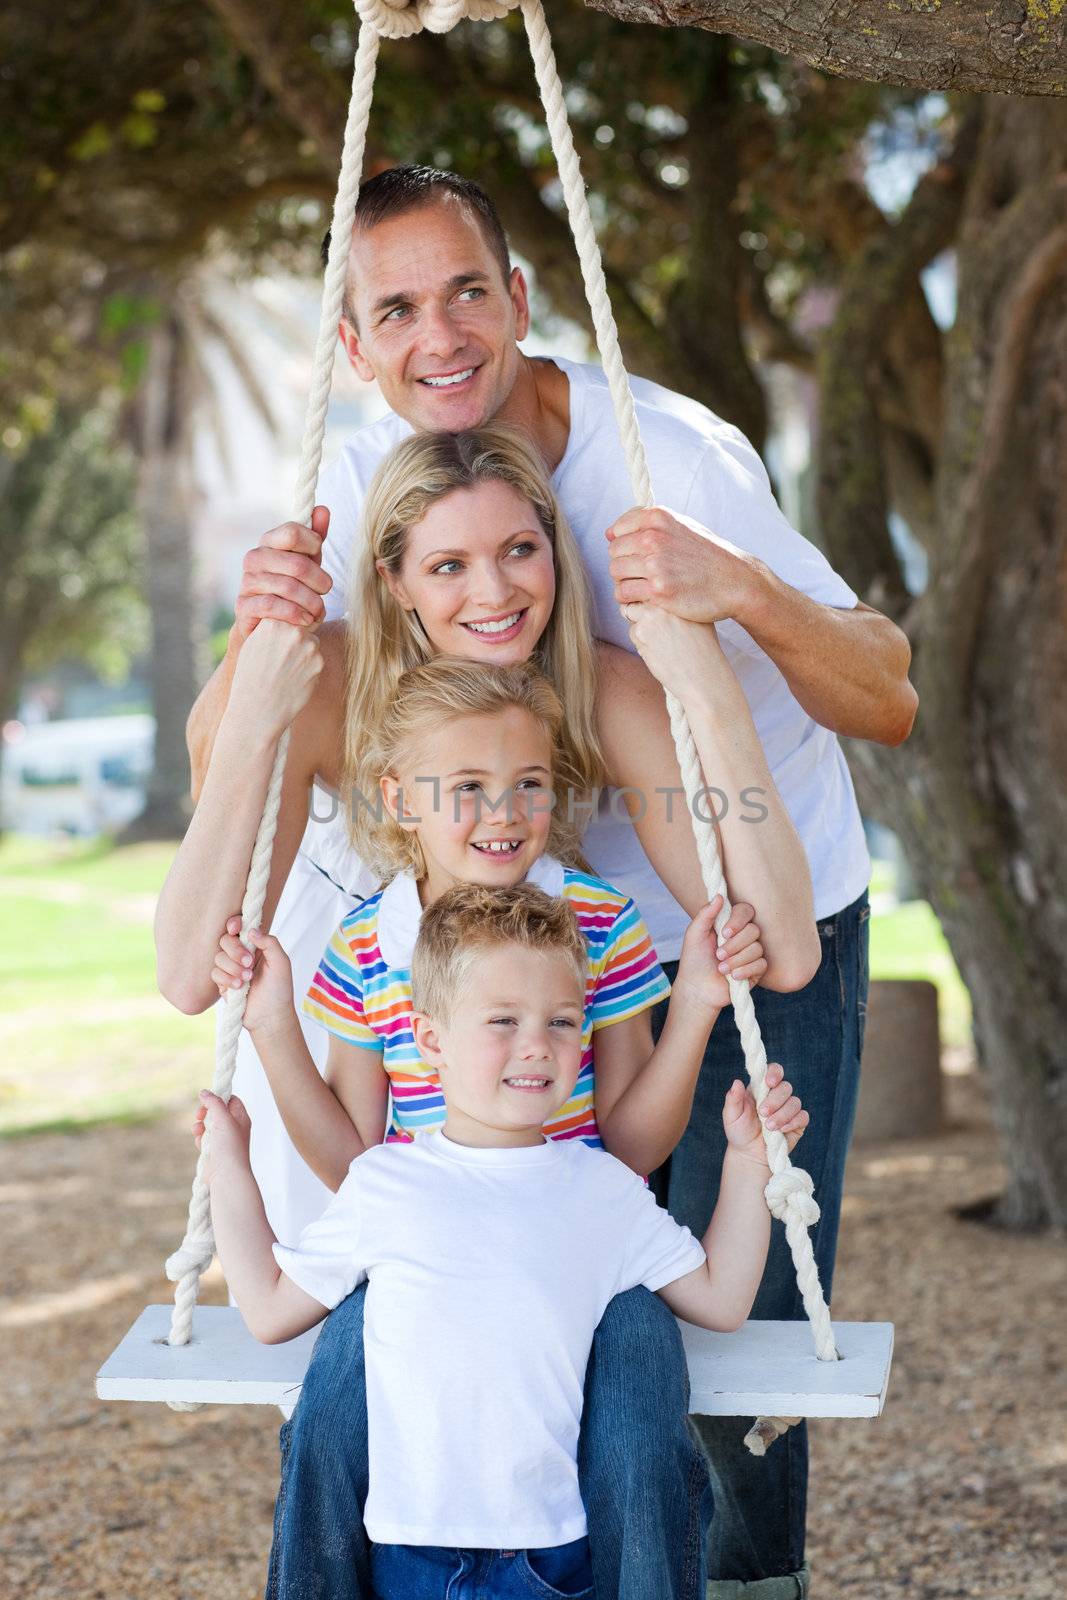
[(848, 667), (282, 578)]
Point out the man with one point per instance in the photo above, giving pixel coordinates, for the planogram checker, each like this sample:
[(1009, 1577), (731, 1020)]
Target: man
[(434, 312)]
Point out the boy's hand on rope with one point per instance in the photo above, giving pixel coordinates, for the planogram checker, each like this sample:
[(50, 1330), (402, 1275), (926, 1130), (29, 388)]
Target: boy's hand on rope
[(270, 1006), (709, 959), (283, 576), (780, 1108), (274, 679), (229, 1126), (678, 564)]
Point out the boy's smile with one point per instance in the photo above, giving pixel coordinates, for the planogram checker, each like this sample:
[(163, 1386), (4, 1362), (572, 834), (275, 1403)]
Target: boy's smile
[(508, 1057)]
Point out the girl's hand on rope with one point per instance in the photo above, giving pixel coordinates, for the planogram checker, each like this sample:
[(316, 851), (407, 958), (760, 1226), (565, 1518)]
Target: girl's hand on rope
[(676, 563), (283, 577), (709, 959), (274, 679), (780, 1109), (682, 655), (229, 1125), (270, 1006)]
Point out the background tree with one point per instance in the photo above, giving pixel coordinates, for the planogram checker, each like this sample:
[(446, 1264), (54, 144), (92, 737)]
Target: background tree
[(738, 230), (68, 546)]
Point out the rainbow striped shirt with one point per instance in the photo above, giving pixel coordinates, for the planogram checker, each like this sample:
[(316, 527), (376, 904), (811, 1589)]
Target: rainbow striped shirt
[(362, 991)]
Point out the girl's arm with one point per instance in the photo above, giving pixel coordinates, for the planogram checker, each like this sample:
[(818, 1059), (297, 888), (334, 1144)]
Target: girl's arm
[(644, 1091), (328, 1129), (763, 860), (283, 674)]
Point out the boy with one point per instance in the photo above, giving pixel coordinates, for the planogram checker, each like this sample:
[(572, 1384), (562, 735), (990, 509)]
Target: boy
[(491, 1254)]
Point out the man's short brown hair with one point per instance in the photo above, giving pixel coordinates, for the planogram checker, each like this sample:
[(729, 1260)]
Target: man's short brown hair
[(469, 920)]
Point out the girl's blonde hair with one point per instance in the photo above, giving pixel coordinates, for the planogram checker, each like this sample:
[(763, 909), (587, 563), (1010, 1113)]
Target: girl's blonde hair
[(384, 640), (427, 698)]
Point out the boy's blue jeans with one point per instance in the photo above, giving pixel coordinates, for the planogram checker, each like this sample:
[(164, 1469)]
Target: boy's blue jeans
[(433, 1572), (756, 1547), (643, 1478)]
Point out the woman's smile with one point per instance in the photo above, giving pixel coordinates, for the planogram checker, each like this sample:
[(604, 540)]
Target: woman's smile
[(499, 629)]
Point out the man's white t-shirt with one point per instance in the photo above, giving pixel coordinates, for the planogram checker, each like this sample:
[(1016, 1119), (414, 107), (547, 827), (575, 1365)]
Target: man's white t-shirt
[(707, 470), (489, 1271)]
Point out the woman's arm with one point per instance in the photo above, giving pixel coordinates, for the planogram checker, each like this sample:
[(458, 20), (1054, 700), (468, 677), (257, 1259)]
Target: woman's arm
[(284, 675), (763, 860)]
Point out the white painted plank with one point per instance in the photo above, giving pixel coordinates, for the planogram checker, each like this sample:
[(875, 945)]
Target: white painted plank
[(765, 1369), (221, 1365), (770, 1369)]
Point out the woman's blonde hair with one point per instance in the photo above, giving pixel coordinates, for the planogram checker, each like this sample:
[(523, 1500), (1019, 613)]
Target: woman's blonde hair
[(428, 698), (384, 640)]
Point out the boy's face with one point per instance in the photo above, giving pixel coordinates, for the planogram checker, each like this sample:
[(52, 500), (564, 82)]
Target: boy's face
[(509, 1054), (480, 788)]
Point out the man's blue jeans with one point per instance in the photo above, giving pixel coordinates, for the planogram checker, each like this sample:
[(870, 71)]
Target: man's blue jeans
[(433, 1572), (643, 1479), (757, 1533)]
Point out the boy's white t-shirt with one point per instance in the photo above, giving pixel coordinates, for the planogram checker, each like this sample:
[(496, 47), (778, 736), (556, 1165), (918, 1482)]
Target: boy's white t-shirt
[(707, 470), (489, 1271)]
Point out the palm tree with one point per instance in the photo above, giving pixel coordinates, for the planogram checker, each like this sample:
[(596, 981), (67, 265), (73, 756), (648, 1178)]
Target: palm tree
[(177, 395)]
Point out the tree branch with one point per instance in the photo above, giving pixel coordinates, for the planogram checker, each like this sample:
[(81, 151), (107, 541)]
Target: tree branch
[(994, 46)]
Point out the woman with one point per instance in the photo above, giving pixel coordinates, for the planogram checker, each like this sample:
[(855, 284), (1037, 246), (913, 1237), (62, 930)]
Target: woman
[(463, 533), (466, 553)]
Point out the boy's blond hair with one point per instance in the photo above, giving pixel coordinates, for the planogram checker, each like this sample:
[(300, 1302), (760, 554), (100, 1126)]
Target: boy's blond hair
[(426, 699), (469, 920)]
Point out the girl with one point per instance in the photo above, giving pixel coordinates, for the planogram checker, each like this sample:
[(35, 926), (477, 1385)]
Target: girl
[(476, 744)]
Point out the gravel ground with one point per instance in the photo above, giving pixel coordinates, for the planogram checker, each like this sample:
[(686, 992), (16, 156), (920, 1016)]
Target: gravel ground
[(957, 1490)]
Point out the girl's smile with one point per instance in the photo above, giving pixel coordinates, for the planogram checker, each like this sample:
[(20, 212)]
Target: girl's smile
[(478, 794)]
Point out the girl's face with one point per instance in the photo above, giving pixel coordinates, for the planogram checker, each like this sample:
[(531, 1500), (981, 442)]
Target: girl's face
[(477, 792), (479, 573)]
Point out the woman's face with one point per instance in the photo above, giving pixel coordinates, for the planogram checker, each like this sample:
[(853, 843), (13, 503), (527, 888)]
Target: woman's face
[(479, 573)]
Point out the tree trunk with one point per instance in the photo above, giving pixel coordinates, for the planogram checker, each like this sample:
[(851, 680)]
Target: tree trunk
[(166, 502), (979, 793)]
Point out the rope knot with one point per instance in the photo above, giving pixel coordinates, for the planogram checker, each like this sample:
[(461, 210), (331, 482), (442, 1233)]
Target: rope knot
[(192, 1255), (792, 1193), (399, 19)]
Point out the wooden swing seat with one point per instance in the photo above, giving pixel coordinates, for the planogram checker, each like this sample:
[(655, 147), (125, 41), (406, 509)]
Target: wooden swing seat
[(764, 1369)]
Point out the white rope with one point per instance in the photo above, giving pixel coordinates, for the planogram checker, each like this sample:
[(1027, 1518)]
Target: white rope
[(194, 1254), (789, 1191)]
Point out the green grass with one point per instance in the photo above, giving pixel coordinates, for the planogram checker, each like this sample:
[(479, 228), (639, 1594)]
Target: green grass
[(86, 1038), (84, 1035)]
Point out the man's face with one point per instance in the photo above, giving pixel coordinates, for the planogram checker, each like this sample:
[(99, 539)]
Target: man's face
[(437, 323)]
